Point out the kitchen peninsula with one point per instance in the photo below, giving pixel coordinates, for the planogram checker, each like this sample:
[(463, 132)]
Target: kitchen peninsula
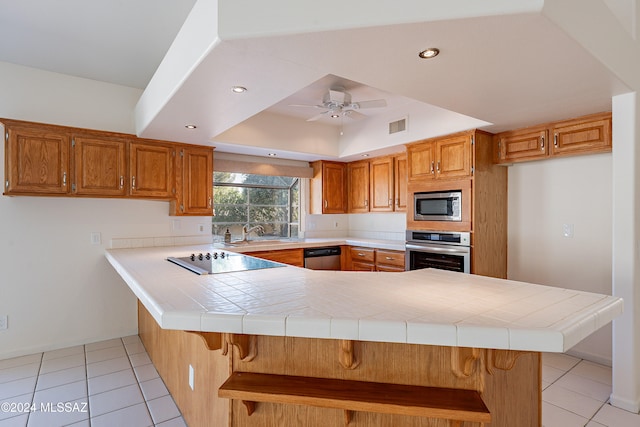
[(437, 330)]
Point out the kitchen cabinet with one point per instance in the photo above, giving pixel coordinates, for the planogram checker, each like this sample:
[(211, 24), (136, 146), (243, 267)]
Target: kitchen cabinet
[(328, 188), (400, 182), (293, 257), (582, 135), (151, 166), (100, 167), (358, 186), (440, 158), (37, 159), (382, 185), (194, 181), (362, 259), (388, 260)]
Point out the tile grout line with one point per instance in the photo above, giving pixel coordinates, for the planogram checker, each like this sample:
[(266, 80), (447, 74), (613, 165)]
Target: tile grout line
[(144, 398)]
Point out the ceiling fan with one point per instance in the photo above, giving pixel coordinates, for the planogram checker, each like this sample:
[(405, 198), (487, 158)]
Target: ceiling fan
[(337, 103)]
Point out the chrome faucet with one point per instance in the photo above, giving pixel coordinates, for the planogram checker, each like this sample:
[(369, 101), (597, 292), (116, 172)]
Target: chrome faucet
[(246, 231)]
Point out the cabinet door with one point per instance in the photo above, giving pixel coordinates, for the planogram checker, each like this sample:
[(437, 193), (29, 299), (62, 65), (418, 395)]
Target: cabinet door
[(453, 157), (293, 257), (400, 183), (382, 185), (196, 189), (421, 161), (334, 188), (582, 136), (358, 179), (100, 166), (151, 167), (36, 161), (522, 145)]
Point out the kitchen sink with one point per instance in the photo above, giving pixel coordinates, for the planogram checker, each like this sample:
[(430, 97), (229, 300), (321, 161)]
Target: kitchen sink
[(258, 242)]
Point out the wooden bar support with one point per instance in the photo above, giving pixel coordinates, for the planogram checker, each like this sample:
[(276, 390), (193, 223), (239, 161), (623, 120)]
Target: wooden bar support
[(349, 395), (212, 340), (246, 345), (347, 356)]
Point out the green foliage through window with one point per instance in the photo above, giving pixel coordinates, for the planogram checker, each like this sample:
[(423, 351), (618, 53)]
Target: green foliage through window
[(272, 202)]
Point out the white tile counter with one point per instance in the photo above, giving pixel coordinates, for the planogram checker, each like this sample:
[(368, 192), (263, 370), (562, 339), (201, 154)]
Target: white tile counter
[(417, 307)]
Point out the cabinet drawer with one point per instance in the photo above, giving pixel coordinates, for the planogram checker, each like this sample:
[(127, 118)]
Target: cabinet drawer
[(286, 256), (390, 258), (362, 254)]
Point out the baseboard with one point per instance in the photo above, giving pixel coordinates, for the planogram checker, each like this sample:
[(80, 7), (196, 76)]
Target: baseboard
[(627, 405), (591, 357)]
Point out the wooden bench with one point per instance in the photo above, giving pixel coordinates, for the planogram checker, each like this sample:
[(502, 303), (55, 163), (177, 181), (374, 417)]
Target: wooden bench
[(457, 405)]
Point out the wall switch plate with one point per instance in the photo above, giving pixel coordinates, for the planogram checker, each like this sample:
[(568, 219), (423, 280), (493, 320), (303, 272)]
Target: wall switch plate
[(567, 230), (201, 228), (96, 238), (191, 376), (4, 322)]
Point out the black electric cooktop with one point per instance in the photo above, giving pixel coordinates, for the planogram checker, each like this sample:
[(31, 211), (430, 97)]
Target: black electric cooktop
[(223, 262)]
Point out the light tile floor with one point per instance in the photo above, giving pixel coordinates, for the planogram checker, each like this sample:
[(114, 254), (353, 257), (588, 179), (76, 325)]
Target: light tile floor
[(109, 383), (114, 383)]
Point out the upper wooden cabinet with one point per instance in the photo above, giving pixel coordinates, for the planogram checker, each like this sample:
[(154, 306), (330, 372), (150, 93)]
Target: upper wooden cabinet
[(194, 181), (358, 186), (100, 166), (37, 161), (378, 185), (440, 158), (52, 160), (328, 188), (583, 135), (151, 169)]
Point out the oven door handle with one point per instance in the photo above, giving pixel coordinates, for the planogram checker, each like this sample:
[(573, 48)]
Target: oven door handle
[(440, 248)]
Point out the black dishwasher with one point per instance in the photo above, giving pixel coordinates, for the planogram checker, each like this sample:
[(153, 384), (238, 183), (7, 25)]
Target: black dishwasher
[(325, 258)]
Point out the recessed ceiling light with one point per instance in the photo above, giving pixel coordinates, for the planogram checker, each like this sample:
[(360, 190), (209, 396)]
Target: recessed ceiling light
[(335, 116), (190, 126), (429, 53), (272, 154), (365, 155), (239, 89)]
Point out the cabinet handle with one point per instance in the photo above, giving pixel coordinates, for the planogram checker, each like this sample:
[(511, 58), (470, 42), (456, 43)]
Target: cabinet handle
[(210, 202), (431, 169), (390, 203), (398, 202), (133, 182), (388, 258), (360, 254), (326, 204), (542, 143), (64, 179), (438, 166), (366, 202), (555, 140), (121, 181)]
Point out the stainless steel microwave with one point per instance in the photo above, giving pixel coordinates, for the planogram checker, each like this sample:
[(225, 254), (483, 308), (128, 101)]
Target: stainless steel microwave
[(438, 206)]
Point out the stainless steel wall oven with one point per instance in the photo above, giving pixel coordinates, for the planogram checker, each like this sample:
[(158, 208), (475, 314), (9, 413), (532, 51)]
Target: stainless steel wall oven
[(442, 250)]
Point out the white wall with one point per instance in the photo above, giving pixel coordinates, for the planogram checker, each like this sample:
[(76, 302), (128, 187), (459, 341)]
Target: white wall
[(57, 289), (545, 195)]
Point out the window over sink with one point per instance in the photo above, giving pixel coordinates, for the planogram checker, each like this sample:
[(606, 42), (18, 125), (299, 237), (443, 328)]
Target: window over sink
[(272, 202)]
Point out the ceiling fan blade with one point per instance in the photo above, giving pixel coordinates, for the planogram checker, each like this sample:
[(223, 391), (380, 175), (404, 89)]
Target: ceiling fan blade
[(306, 105), (375, 103), (352, 114), (317, 117)]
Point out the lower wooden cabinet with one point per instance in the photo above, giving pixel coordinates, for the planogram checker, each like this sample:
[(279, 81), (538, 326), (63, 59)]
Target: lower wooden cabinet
[(371, 259), (387, 260), (293, 257)]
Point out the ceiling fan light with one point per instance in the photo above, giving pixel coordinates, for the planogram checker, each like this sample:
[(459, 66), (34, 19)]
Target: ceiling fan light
[(429, 53)]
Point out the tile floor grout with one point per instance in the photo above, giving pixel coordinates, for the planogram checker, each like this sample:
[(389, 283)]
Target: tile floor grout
[(575, 392)]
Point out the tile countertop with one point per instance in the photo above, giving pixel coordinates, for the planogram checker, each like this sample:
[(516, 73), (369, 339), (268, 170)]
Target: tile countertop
[(428, 306)]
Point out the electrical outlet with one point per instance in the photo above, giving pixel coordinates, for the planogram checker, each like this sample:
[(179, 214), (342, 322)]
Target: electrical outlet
[(96, 238), (191, 376), (567, 230), (4, 322)]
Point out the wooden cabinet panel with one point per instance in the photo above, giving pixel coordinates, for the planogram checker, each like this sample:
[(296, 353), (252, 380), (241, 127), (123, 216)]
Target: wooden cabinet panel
[(421, 161), (151, 166), (37, 160), (381, 185), (293, 257), (521, 145), (362, 259), (358, 184), (453, 157), (387, 259), (400, 183), (585, 135), (582, 135), (328, 189), (100, 166), (440, 158), (194, 181)]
